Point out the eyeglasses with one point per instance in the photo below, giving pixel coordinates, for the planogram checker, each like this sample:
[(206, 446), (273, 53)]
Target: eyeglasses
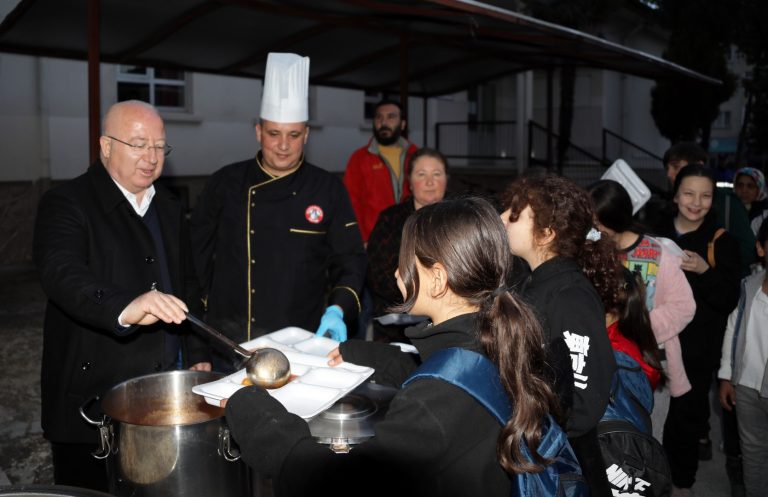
[(159, 149)]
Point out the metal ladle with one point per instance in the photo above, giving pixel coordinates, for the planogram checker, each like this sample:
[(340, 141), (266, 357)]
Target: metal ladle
[(266, 367)]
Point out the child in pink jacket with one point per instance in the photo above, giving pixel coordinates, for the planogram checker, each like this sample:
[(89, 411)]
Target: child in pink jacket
[(668, 295)]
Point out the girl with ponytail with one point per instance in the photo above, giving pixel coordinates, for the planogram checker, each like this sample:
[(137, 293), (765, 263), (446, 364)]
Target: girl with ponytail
[(575, 277), (453, 268), (436, 438)]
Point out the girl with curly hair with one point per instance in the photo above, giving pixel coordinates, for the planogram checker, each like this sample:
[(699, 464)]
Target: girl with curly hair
[(575, 280)]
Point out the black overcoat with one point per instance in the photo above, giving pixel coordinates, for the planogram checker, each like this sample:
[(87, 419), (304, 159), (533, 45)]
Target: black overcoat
[(94, 255)]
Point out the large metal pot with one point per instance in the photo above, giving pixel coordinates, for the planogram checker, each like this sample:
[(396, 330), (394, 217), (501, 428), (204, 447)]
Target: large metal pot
[(161, 439), (49, 491)]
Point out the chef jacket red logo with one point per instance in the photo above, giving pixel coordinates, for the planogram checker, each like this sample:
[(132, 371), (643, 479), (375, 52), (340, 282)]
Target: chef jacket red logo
[(314, 214)]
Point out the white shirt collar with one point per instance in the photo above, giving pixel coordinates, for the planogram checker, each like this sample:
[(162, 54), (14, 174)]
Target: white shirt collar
[(131, 198)]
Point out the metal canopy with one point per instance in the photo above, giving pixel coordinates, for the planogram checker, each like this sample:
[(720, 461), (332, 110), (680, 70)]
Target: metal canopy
[(438, 46)]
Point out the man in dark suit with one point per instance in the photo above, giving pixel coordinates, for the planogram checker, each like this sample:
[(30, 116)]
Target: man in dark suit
[(112, 252)]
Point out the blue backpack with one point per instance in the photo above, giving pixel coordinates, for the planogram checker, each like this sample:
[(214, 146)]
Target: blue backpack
[(631, 397), (635, 462), (479, 377)]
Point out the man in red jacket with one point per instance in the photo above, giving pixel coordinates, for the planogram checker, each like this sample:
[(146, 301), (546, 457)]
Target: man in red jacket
[(376, 175)]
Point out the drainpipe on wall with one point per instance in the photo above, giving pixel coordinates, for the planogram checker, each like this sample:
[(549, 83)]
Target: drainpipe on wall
[(94, 78), (43, 128), (524, 93), (623, 80)]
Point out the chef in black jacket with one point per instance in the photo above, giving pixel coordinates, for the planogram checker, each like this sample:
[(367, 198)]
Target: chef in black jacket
[(275, 238)]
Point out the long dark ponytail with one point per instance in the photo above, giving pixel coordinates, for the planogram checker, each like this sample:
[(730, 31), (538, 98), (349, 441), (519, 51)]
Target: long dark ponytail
[(467, 237)]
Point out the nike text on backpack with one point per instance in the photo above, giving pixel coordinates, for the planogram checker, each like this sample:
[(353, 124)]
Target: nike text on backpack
[(636, 464)]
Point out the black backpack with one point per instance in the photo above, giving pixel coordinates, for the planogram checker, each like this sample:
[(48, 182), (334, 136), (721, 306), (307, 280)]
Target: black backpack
[(635, 462), (479, 377)]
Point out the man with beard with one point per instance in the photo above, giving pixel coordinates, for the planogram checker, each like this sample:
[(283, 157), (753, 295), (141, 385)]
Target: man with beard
[(376, 173)]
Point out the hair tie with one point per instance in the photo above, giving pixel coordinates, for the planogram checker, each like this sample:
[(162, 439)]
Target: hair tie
[(594, 235), (499, 291)]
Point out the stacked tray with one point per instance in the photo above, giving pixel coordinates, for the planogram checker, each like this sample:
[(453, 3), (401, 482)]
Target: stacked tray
[(316, 385)]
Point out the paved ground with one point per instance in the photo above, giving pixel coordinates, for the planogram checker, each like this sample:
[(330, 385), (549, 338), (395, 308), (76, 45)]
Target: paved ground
[(24, 454)]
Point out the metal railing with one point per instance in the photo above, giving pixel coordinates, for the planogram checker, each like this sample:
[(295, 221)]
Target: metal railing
[(578, 164), (494, 144), (479, 144), (648, 166)]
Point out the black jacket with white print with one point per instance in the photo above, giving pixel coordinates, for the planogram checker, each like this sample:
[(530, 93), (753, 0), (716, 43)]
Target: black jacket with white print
[(570, 309)]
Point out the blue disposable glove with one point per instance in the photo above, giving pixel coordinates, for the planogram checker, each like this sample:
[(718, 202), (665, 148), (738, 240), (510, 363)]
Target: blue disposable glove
[(333, 323)]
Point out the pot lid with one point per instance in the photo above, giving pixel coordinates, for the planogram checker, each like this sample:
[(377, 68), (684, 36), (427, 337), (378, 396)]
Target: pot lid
[(352, 418), (349, 407)]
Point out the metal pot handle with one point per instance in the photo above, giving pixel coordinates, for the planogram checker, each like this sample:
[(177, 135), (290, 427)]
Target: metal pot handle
[(106, 434), (227, 450), (83, 415)]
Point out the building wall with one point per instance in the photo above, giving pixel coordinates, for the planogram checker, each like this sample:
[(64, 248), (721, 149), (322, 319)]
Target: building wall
[(44, 132), (21, 129), (603, 99), (633, 114), (726, 129), (44, 125), (43, 121)]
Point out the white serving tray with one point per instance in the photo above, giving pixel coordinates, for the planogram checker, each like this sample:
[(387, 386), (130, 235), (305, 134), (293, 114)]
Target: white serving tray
[(317, 385)]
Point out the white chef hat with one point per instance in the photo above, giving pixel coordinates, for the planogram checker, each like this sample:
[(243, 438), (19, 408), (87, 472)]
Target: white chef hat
[(286, 88)]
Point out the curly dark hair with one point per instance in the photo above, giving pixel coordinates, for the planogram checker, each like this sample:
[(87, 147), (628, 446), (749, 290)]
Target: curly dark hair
[(560, 205)]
